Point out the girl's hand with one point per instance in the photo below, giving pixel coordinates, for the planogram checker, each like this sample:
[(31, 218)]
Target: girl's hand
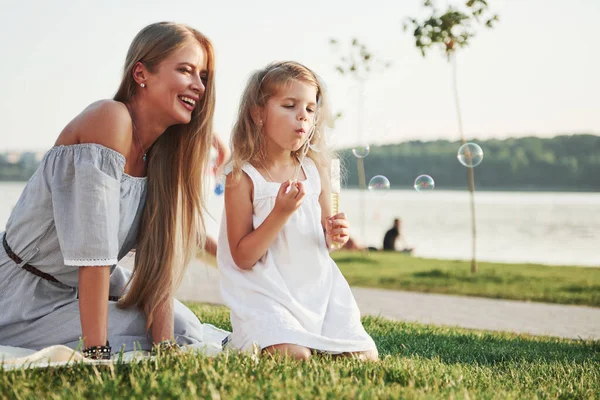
[(289, 198), (337, 230)]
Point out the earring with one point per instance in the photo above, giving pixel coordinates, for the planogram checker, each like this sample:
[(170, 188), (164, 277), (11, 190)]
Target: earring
[(143, 84), (260, 122)]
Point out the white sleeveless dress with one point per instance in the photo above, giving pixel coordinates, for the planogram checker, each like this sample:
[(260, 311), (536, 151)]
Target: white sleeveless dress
[(295, 293)]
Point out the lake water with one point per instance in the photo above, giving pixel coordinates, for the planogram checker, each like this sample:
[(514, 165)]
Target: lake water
[(516, 227)]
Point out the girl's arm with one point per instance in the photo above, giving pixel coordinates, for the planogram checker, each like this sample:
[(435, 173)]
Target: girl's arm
[(94, 283), (248, 245), (335, 227)]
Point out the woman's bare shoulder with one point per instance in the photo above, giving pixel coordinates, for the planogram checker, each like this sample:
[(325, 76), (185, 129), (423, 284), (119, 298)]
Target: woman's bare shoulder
[(104, 122)]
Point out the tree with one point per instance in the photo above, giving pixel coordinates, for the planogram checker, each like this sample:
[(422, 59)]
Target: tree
[(450, 30), (358, 63)]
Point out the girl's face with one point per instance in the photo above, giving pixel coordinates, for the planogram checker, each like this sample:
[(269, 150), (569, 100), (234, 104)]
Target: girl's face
[(175, 88), (289, 115)]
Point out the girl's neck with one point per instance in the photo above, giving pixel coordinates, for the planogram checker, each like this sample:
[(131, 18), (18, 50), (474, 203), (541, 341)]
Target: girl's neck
[(280, 160), (277, 157), (280, 169)]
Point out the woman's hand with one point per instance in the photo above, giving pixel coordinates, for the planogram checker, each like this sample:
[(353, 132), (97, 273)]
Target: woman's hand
[(337, 230)]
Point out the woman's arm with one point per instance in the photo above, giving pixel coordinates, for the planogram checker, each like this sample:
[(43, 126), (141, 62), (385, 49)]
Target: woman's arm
[(248, 245), (94, 283), (163, 325), (210, 246), (222, 151), (107, 123)]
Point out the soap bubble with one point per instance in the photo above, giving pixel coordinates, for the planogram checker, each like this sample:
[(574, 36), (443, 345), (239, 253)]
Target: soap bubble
[(379, 183), (470, 155), (424, 183), (361, 151)]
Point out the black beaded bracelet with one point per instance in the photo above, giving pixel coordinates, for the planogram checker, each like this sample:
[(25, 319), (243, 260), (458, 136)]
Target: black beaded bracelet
[(98, 352)]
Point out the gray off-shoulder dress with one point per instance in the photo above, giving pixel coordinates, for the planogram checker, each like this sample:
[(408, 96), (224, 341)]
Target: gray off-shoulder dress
[(78, 209)]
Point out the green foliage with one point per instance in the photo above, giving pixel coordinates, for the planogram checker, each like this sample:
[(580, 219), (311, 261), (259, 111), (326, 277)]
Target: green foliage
[(449, 29), (563, 285), (569, 162), (418, 361), (359, 61)]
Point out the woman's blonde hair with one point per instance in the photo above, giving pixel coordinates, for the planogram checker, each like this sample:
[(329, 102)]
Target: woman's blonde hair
[(172, 223), (248, 139)]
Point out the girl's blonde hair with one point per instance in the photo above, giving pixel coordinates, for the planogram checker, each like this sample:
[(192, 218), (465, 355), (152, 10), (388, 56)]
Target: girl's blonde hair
[(248, 139), (172, 223)]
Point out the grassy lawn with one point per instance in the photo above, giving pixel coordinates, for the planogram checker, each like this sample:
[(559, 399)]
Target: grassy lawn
[(566, 285), (418, 361)]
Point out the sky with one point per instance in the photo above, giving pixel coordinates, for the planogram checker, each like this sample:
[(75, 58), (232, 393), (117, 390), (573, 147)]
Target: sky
[(535, 74)]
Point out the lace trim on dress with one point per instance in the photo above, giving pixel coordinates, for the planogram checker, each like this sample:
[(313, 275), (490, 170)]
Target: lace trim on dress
[(100, 262)]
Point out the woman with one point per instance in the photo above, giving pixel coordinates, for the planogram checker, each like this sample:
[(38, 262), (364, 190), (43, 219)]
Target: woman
[(122, 174)]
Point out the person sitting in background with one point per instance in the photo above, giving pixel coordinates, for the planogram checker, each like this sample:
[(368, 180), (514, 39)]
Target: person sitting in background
[(392, 236)]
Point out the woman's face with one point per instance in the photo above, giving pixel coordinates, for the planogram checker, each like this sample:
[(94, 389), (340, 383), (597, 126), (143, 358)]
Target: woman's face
[(175, 88)]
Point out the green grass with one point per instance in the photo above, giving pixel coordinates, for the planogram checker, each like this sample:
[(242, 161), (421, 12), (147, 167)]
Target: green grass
[(565, 285), (418, 361)]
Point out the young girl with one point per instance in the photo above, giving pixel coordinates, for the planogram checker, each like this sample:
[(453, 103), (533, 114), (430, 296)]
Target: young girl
[(285, 292)]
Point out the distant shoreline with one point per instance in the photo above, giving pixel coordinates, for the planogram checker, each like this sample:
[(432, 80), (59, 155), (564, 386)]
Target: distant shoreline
[(457, 189), (497, 189)]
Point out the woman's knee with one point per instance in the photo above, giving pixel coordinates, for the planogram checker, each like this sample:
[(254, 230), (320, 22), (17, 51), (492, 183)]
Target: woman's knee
[(289, 350)]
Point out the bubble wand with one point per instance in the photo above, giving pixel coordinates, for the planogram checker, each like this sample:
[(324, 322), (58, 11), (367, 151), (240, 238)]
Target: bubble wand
[(336, 186)]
